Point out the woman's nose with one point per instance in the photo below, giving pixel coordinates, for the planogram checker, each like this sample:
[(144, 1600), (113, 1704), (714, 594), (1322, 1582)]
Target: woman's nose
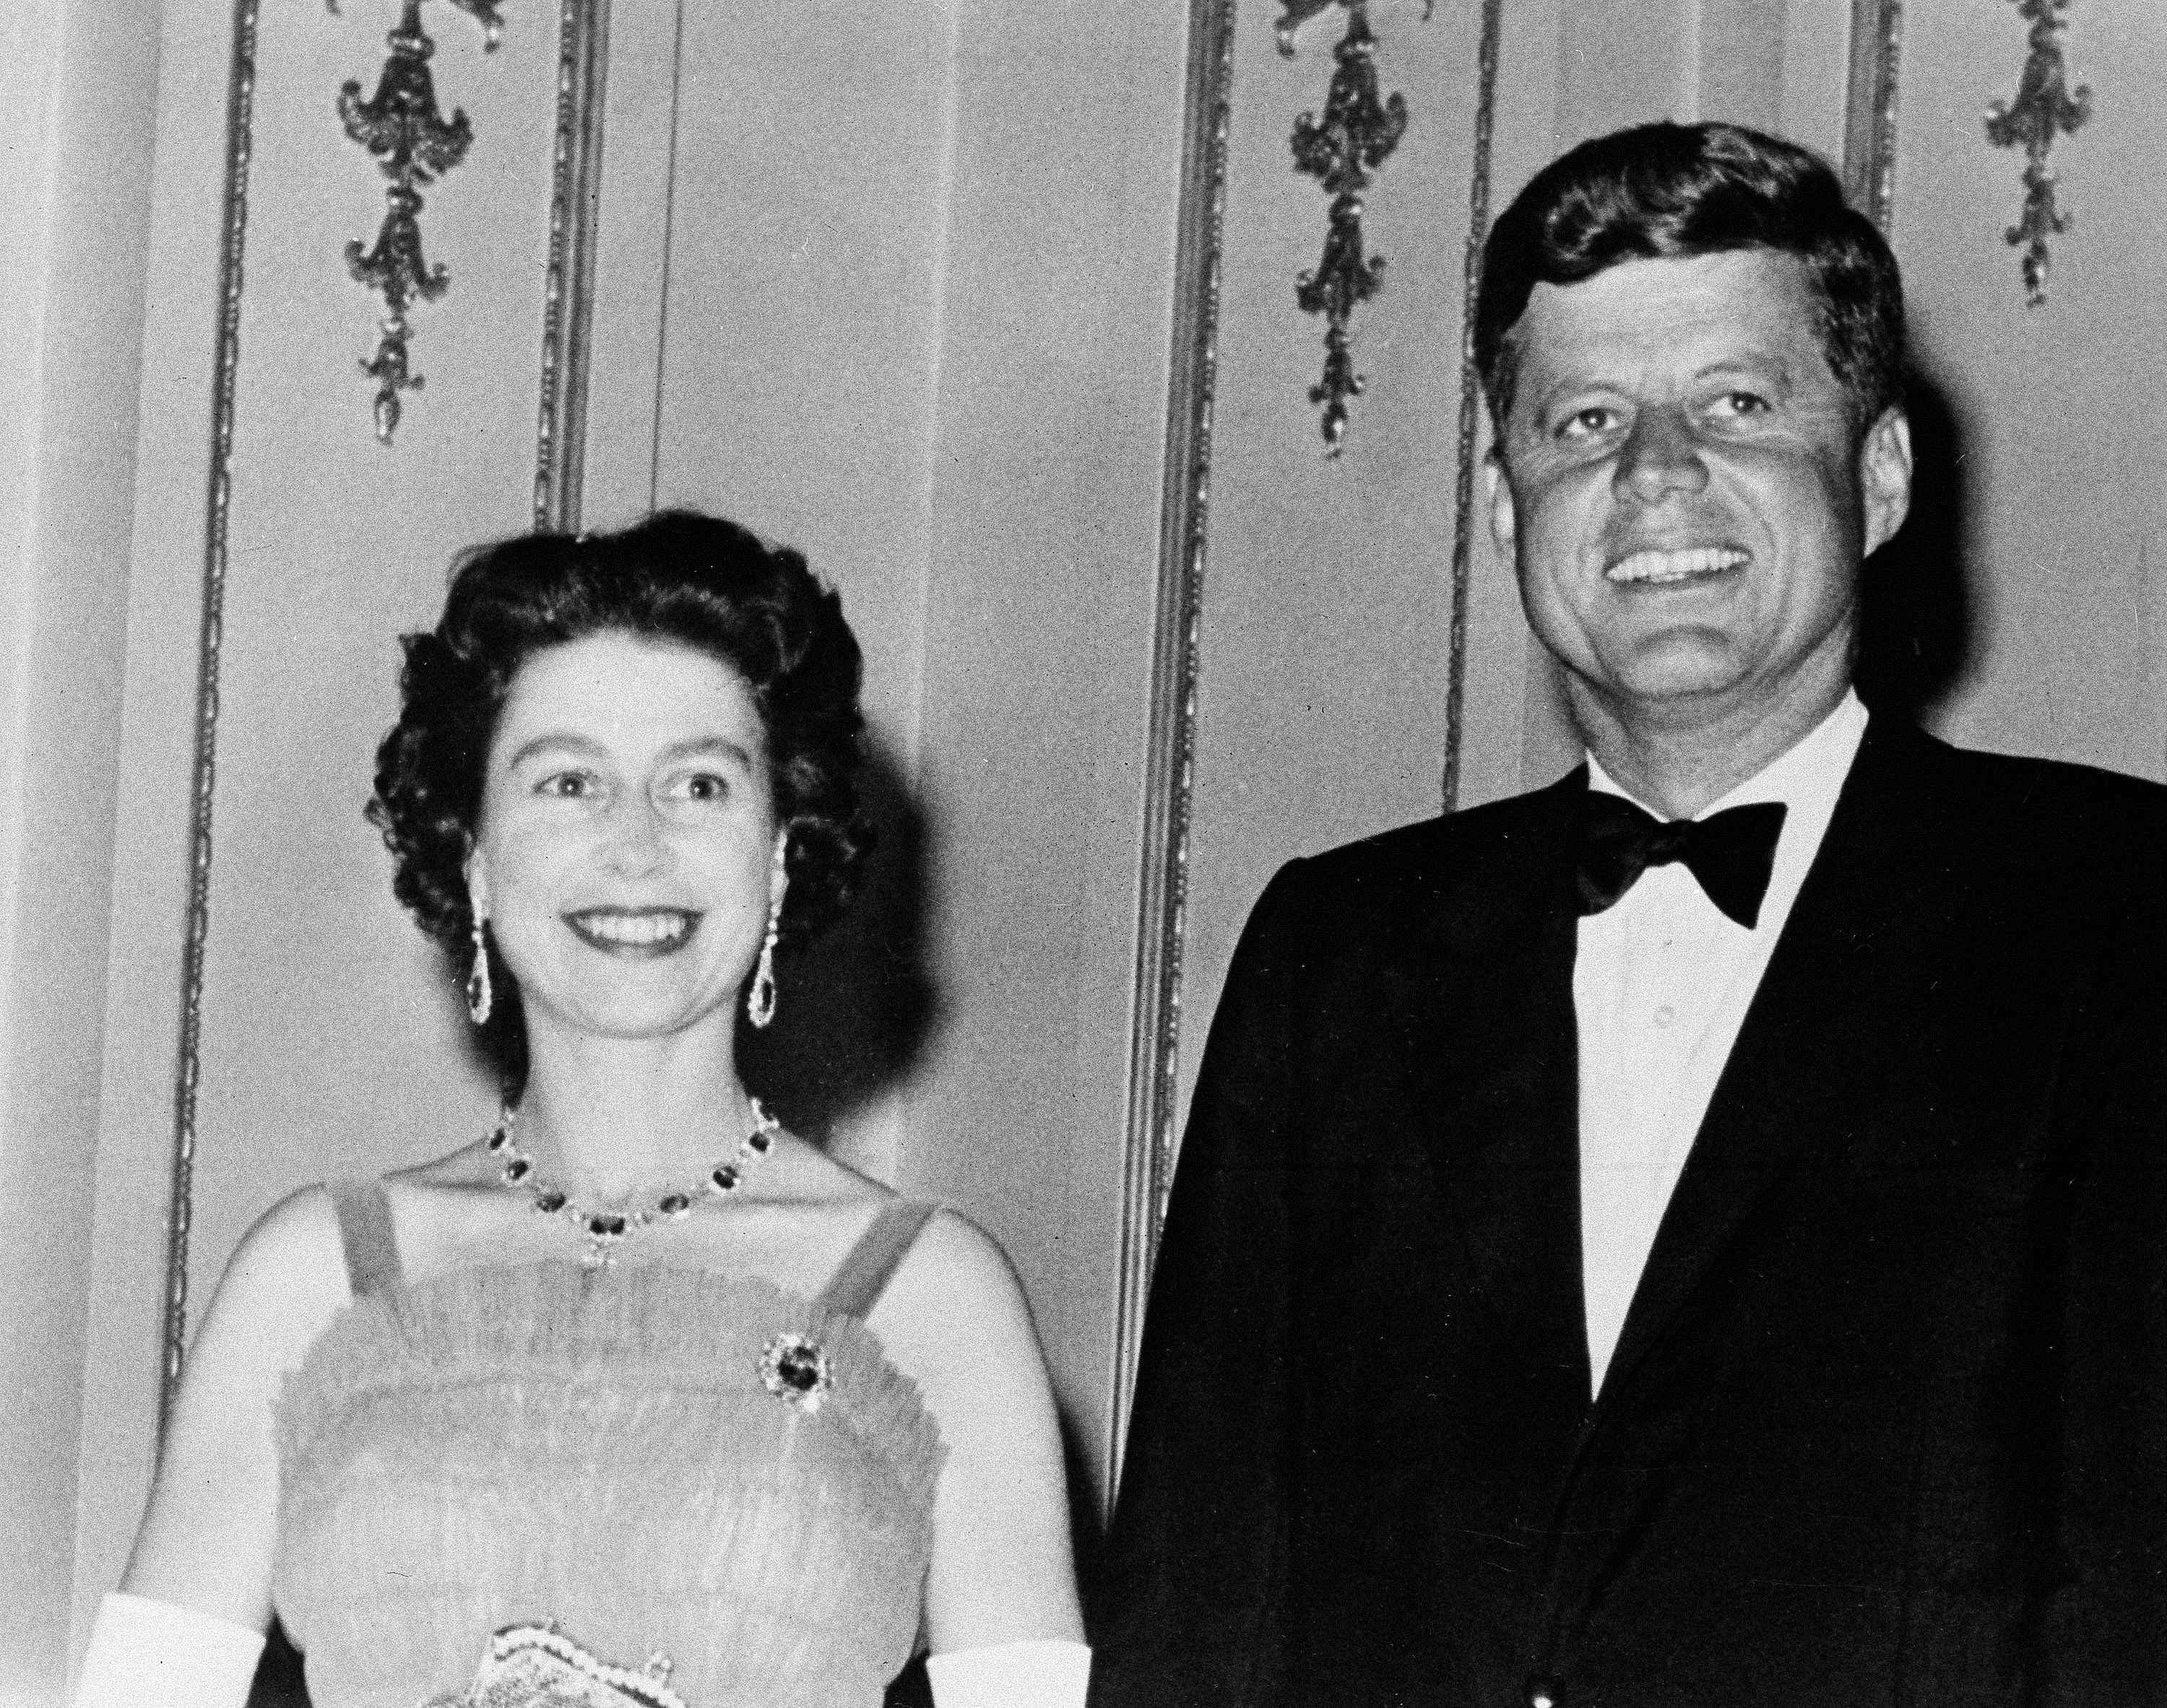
[(1661, 455), (635, 836)]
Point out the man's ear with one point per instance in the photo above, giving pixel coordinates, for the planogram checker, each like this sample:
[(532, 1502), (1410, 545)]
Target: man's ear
[(1504, 520), (1885, 477)]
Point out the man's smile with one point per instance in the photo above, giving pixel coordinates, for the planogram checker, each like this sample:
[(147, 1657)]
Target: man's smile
[(1658, 566)]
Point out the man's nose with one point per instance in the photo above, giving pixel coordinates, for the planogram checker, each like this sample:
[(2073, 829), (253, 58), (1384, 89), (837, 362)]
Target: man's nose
[(1661, 455)]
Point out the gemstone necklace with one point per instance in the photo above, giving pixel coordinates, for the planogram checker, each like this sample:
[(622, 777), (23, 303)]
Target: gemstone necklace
[(604, 1228)]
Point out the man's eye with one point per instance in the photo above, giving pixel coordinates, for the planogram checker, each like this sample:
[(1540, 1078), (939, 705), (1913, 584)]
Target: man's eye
[(1582, 424), (1742, 403)]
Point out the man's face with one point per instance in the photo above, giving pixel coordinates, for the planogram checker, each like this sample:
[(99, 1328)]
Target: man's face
[(1683, 488)]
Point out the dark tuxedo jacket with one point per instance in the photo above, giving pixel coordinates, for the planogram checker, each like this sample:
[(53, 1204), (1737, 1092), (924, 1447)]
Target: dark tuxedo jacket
[(1888, 1422)]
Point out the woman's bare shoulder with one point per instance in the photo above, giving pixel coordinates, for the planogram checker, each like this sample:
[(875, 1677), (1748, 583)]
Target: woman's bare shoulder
[(286, 1279), (956, 1320), (955, 1305), (207, 1537), (955, 1254)]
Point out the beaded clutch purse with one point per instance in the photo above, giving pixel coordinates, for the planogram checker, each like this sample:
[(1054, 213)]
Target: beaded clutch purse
[(535, 1665)]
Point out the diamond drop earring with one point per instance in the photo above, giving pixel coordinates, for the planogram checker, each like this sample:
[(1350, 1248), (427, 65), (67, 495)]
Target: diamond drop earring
[(760, 1000), (480, 999)]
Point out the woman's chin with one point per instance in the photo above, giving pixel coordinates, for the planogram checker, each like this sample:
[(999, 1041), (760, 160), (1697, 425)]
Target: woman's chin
[(657, 1019)]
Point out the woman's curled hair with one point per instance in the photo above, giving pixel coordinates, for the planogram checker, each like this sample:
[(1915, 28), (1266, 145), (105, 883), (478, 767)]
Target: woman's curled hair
[(677, 578)]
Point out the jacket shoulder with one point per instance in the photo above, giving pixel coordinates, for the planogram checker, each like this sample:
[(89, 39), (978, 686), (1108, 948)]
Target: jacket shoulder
[(2061, 809), (1509, 828), (1383, 881), (2059, 785)]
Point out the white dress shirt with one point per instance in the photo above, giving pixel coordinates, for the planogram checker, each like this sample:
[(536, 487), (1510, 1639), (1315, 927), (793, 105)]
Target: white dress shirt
[(1660, 982)]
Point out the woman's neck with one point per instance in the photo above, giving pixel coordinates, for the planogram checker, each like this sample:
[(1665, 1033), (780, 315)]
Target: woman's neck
[(608, 1117)]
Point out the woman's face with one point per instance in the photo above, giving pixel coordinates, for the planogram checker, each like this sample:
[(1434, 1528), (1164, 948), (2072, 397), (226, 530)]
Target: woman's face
[(626, 860)]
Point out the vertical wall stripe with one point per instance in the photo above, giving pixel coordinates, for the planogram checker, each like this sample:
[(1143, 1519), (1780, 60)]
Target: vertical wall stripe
[(1869, 109), (240, 125), (1162, 890), (669, 248), (568, 291), (1470, 395)]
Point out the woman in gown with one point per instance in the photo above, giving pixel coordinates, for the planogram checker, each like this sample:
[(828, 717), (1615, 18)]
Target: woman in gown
[(695, 1412)]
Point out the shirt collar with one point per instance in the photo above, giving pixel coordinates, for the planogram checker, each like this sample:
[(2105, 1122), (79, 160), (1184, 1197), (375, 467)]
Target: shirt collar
[(1807, 777)]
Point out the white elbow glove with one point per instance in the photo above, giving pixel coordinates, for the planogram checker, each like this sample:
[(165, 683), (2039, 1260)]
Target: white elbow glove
[(1048, 1674), (143, 1651)]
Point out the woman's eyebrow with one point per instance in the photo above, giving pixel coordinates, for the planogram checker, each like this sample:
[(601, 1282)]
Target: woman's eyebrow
[(696, 745), (693, 747), (554, 739)]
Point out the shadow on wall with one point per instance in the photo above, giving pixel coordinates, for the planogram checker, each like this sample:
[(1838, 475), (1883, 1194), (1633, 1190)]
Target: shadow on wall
[(854, 1007), (278, 1675), (1915, 627)]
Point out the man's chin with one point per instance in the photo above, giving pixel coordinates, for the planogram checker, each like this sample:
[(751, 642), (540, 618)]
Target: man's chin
[(1681, 675)]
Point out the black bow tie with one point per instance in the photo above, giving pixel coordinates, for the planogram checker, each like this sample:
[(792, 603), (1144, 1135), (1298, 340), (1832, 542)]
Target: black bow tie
[(1731, 853)]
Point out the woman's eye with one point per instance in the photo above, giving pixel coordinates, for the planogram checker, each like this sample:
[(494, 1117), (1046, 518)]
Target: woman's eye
[(698, 785), (567, 785)]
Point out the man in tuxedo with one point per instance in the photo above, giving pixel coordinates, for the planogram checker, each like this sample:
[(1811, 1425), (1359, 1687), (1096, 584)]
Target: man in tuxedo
[(1693, 1235)]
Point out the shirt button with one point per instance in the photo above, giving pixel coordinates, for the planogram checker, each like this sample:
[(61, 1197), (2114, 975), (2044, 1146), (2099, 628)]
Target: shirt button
[(1665, 1014), (1543, 1693)]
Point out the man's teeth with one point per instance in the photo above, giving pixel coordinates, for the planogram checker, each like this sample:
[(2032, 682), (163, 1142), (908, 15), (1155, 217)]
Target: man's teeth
[(635, 927), (1675, 566)]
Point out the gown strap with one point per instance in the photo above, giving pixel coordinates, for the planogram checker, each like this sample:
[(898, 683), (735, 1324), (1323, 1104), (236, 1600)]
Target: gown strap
[(365, 1231), (857, 1285)]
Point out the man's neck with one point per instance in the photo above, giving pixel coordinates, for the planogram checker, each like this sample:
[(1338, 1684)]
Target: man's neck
[(1677, 764)]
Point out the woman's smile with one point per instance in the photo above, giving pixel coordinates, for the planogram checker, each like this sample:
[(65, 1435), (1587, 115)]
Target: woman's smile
[(634, 933), (627, 854)]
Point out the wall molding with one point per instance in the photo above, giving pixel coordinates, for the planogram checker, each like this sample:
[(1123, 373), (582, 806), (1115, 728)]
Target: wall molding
[(560, 436), (413, 144), (1471, 394), (233, 232), (1169, 778), (1360, 129), (1869, 109), (2044, 106)]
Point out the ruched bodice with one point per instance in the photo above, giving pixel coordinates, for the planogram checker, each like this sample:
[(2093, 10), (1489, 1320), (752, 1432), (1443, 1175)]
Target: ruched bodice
[(655, 1458)]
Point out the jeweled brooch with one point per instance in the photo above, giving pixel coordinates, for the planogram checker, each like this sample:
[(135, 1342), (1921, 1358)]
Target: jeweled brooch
[(796, 1369)]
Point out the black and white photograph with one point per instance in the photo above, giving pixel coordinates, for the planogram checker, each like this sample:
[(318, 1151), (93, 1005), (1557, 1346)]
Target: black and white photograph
[(1109, 853)]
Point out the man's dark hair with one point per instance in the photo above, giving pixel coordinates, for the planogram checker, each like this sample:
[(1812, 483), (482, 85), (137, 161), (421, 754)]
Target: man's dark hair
[(1672, 191)]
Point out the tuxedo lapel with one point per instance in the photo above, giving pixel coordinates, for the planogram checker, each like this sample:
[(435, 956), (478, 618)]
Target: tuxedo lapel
[(1480, 1008), (1880, 852)]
